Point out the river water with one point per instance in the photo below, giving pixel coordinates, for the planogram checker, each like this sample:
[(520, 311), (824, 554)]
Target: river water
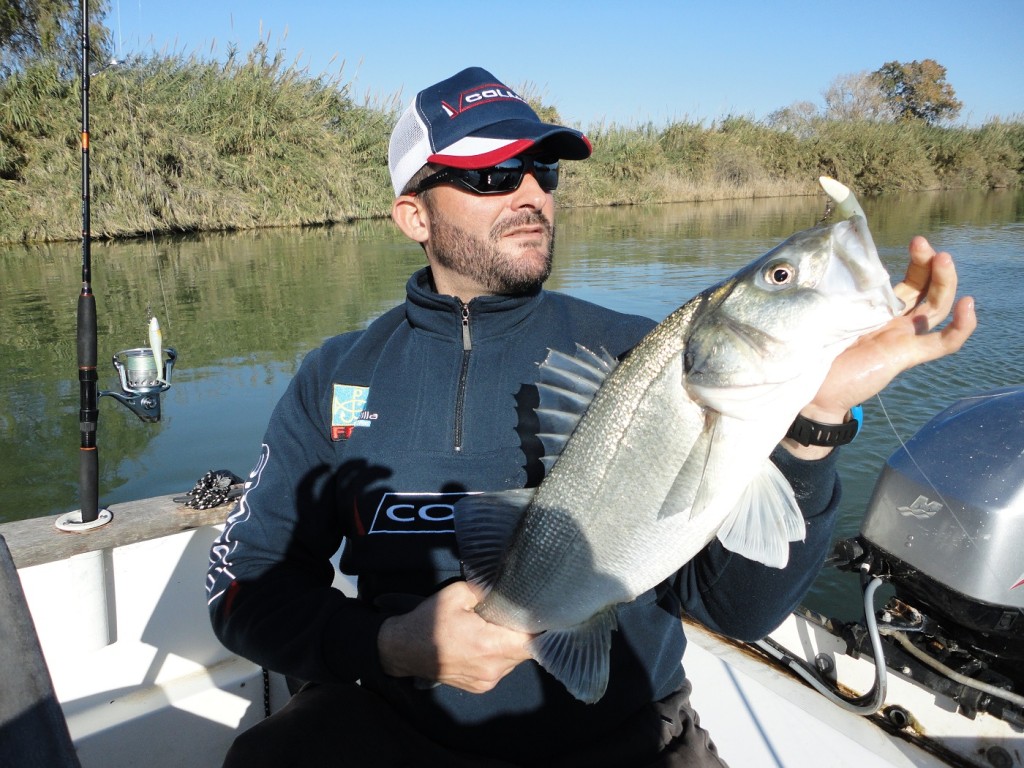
[(243, 309)]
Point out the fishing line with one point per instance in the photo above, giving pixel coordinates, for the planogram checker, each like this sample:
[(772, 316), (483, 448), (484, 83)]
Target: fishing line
[(132, 110), (982, 562), (120, 42), (920, 469)]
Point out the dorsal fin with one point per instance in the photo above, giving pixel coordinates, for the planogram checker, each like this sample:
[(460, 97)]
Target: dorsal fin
[(566, 386)]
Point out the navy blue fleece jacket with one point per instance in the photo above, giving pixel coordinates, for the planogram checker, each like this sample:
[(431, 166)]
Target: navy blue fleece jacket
[(380, 432)]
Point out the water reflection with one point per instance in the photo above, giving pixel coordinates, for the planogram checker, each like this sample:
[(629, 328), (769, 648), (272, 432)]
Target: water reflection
[(242, 310)]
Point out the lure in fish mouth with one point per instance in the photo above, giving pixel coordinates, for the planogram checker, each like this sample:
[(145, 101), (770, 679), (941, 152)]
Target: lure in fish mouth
[(652, 457)]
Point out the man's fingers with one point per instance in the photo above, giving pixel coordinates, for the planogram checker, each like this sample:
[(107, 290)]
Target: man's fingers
[(965, 320), (932, 346), (931, 304)]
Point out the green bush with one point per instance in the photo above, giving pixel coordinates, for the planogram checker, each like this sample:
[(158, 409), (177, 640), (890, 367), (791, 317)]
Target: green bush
[(184, 144)]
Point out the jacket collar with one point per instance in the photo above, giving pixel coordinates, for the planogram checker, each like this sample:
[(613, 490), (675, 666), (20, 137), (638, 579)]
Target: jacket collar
[(489, 316)]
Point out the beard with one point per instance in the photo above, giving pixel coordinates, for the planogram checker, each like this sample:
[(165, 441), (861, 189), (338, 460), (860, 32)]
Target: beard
[(500, 268)]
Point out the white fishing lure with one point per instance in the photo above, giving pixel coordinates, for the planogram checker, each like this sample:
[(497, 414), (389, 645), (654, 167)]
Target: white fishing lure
[(156, 343)]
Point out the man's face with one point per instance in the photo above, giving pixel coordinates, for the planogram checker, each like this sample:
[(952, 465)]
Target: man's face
[(501, 243)]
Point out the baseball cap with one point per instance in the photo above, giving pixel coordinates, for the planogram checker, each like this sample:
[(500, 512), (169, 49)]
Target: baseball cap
[(472, 120)]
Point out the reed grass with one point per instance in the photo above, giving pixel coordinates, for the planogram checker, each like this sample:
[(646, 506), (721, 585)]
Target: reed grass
[(180, 144)]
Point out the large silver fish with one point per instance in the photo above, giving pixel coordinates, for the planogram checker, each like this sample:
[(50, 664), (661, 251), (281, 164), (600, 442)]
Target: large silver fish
[(651, 458)]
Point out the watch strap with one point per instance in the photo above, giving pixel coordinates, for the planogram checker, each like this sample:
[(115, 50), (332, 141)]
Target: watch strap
[(810, 432)]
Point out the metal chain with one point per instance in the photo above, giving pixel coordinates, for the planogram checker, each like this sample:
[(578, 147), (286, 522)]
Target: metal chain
[(211, 490)]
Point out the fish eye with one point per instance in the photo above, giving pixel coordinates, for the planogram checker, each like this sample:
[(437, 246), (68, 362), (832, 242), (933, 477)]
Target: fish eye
[(779, 273)]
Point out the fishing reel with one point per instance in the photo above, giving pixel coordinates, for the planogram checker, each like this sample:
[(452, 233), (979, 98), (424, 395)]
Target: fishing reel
[(145, 373)]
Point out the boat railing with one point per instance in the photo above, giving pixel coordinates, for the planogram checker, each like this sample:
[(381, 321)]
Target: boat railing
[(37, 540)]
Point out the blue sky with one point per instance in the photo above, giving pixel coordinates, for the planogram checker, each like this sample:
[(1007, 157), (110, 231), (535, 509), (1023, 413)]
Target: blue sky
[(628, 62)]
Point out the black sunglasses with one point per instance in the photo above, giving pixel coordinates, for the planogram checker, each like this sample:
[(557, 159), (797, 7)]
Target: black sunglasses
[(498, 179)]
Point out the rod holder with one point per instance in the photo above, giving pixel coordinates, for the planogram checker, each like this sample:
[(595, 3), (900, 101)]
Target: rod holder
[(141, 382)]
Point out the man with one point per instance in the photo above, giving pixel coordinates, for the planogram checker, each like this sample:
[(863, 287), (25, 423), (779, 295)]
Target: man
[(382, 430)]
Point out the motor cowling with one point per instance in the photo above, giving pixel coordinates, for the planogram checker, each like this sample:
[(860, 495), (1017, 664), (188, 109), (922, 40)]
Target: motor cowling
[(946, 521)]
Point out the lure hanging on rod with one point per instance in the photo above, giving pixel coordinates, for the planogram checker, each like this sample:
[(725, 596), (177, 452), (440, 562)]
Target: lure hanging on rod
[(156, 343)]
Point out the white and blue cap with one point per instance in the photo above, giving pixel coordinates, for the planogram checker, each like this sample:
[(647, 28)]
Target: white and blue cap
[(473, 120)]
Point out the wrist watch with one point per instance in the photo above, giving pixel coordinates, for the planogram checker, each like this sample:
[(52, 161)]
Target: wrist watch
[(810, 432)]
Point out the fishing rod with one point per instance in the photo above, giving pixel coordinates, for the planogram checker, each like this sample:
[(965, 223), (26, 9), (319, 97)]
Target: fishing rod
[(145, 372), (89, 412)]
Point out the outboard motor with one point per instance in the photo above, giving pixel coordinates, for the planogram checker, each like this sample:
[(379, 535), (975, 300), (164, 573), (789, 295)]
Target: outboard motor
[(945, 526)]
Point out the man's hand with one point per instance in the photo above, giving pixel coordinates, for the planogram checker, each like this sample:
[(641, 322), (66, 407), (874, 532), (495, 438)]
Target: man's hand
[(867, 367), (444, 640)]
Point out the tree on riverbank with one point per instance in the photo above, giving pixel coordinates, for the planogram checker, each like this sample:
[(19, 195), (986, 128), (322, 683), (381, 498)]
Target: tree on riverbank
[(915, 90), (36, 31), (918, 90), (857, 97)]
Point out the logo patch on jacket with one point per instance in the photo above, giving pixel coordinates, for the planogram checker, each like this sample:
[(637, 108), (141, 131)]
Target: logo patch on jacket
[(348, 410), (416, 513)]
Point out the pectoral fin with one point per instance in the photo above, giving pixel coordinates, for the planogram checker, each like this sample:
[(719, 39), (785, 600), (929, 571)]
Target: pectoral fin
[(578, 657), (683, 496), (765, 519)]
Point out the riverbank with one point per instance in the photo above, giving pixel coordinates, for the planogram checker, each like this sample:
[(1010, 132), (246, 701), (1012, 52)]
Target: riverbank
[(179, 144)]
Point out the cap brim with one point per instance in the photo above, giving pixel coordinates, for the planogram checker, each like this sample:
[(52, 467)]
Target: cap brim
[(510, 138)]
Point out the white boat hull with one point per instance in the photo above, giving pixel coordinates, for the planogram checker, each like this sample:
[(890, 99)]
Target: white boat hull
[(761, 715), (121, 617)]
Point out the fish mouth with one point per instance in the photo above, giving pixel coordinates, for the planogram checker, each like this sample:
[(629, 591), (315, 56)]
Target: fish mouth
[(856, 249), (864, 273)]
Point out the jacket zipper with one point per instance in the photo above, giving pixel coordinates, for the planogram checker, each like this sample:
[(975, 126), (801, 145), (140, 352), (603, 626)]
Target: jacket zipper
[(460, 396)]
